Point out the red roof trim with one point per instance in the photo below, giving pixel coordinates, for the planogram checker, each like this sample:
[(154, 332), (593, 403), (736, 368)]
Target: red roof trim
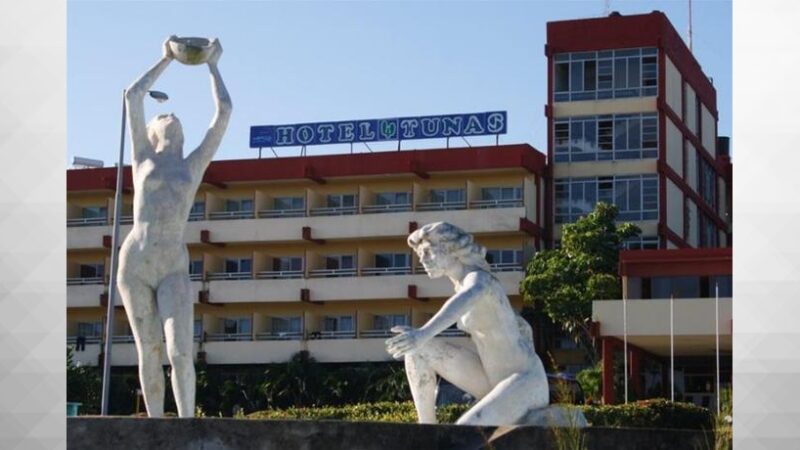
[(343, 165), (676, 262)]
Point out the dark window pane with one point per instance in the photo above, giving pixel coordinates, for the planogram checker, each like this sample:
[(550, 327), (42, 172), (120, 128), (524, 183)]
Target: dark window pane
[(562, 77), (589, 74)]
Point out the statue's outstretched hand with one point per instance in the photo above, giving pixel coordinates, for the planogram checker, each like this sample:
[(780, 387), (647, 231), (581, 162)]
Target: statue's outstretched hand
[(216, 52), (407, 340), (166, 51)]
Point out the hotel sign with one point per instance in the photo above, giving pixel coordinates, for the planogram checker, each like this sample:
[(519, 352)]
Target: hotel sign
[(395, 129)]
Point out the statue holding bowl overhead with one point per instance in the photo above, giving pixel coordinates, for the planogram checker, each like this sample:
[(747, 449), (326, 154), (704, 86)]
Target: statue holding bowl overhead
[(503, 371), (153, 276)]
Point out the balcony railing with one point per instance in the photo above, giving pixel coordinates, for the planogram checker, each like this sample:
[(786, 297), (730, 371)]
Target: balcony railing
[(506, 267), (125, 220), (279, 274), (195, 277), (377, 271), (72, 340), (441, 206), (226, 215), (195, 216), (230, 276), (339, 334), (77, 281), (370, 334), (376, 209), (280, 336), (332, 273), (334, 211), (506, 203), (123, 339), (226, 337), (275, 213), (87, 222)]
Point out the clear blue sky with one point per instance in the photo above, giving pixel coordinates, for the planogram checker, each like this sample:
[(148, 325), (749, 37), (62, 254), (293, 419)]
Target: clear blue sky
[(293, 62)]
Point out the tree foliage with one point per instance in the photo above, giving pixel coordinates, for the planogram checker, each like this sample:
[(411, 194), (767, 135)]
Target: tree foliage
[(565, 281), (84, 385)]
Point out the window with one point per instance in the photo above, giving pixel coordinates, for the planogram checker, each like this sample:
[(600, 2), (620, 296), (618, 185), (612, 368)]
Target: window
[(94, 329), (287, 263), (707, 182), (240, 325), (447, 195), (341, 201), (601, 138), (334, 262), (198, 327), (198, 211), (286, 324), (288, 203), (386, 322), (504, 257), (94, 212), (707, 232), (725, 284), (680, 287), (196, 269), (92, 270), (338, 323), (393, 198), (636, 196), (641, 243), (501, 193), (242, 205), (238, 265), (605, 74), (392, 260)]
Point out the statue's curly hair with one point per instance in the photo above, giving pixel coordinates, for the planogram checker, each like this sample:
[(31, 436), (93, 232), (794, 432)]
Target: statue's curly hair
[(453, 239)]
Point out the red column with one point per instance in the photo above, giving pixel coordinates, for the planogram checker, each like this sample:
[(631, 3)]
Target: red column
[(608, 371), (636, 372)]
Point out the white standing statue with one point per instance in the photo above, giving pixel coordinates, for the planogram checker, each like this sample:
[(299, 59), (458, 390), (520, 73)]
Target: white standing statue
[(153, 277), (505, 373)]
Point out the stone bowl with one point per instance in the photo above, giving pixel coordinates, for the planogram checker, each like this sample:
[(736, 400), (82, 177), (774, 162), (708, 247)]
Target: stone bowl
[(191, 50)]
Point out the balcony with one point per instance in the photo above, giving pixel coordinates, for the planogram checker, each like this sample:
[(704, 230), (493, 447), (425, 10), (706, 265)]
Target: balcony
[(506, 267), (278, 213), (279, 274), (332, 273), (228, 337), (87, 222), (334, 211), (280, 336), (378, 271), (485, 204), (231, 215), (79, 281), (196, 216), (230, 276), (372, 334), (441, 206), (378, 209)]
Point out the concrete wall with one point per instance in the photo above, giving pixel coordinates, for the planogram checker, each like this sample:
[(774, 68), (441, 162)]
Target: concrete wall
[(674, 147), (599, 107), (96, 433), (602, 168), (692, 317), (674, 208), (673, 87)]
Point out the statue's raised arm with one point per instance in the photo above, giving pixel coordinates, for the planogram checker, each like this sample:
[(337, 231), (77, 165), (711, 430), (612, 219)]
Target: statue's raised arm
[(134, 104), (199, 159)]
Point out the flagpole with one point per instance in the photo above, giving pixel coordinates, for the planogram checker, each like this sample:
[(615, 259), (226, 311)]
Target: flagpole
[(716, 317), (672, 347), (625, 342)]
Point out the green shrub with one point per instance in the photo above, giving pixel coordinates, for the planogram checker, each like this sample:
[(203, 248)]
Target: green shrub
[(363, 412), (656, 413)]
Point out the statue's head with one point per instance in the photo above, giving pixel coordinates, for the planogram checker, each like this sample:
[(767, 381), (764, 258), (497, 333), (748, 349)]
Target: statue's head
[(165, 133), (441, 244)]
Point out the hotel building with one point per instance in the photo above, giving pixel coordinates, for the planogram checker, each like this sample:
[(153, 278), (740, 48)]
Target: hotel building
[(633, 121), (309, 253)]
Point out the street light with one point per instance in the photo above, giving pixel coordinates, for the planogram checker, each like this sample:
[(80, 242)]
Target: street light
[(112, 281)]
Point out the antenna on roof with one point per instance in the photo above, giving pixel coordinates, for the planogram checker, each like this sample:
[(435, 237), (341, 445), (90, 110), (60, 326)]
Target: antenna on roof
[(690, 25)]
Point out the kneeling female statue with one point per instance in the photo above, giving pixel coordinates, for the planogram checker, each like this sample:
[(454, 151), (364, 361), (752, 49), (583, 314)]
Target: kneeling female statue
[(503, 372)]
